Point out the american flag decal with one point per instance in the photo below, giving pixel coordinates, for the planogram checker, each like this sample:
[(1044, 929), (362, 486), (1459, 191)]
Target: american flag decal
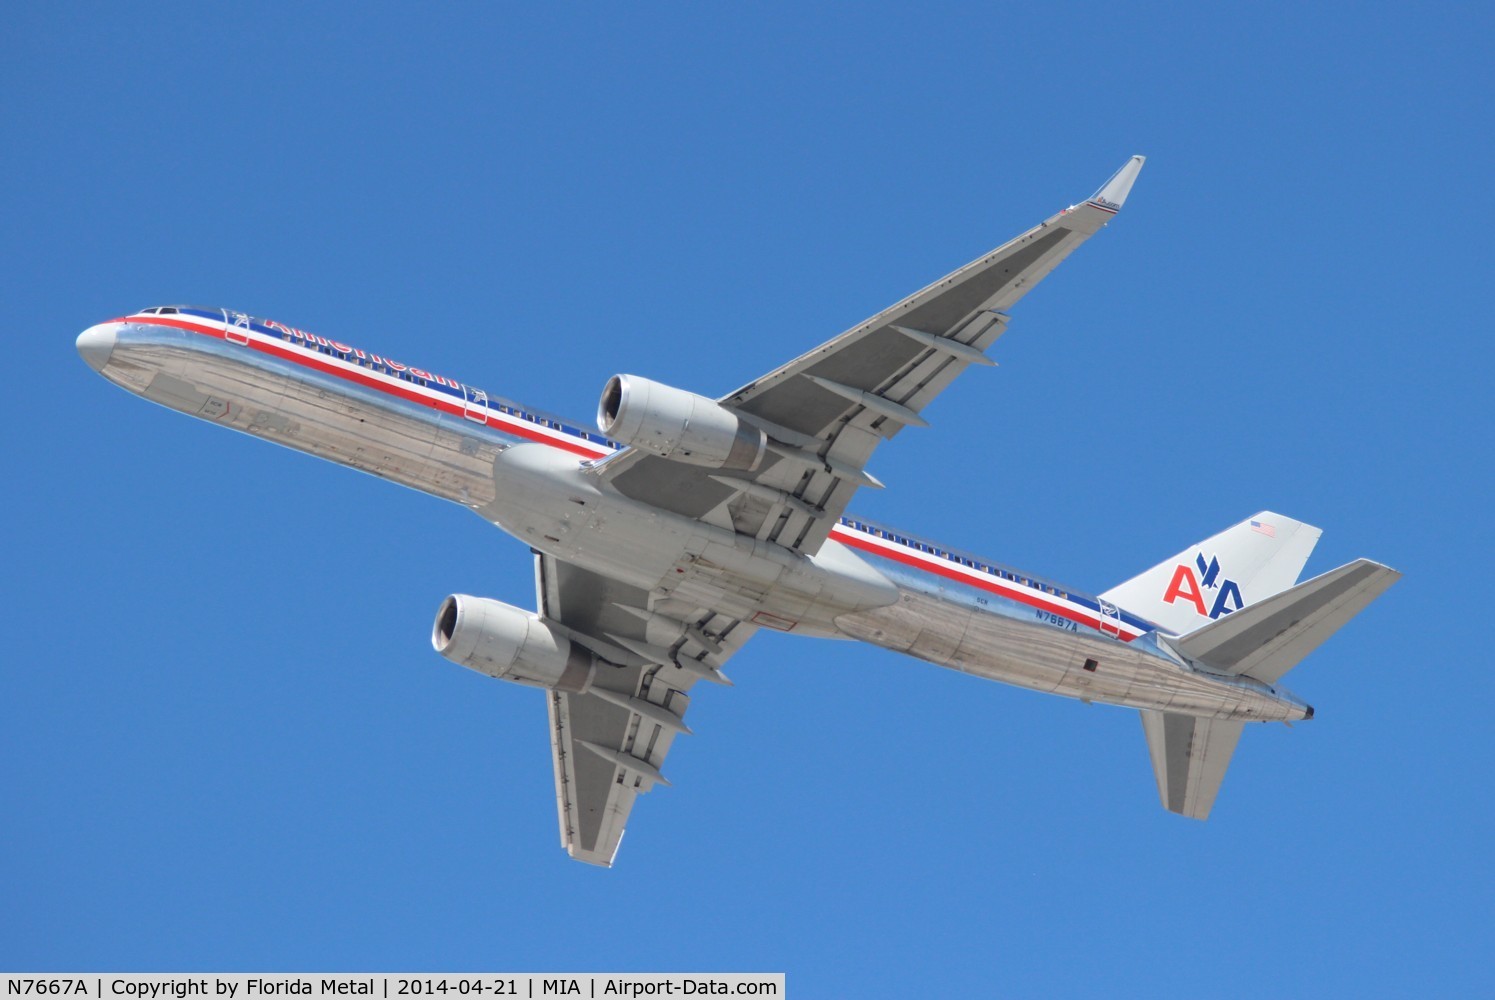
[(1264, 528)]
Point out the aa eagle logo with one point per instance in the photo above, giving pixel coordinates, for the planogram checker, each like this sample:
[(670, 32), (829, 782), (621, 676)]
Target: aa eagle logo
[(1190, 587)]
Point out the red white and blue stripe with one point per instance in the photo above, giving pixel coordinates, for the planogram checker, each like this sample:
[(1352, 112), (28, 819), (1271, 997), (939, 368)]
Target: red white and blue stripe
[(446, 395)]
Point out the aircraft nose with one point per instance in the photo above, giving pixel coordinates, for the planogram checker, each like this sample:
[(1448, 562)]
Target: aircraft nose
[(97, 343)]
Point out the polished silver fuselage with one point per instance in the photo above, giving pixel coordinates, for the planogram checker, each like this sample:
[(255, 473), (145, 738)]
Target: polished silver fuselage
[(531, 475)]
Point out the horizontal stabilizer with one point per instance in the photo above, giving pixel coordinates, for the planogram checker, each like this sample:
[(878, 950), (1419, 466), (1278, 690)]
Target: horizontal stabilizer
[(1267, 639), (1189, 758)]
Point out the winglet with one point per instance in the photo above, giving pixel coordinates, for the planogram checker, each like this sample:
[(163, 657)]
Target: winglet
[(1112, 194)]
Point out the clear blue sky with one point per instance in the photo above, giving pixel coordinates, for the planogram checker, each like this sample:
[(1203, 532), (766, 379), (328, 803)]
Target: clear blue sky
[(225, 742)]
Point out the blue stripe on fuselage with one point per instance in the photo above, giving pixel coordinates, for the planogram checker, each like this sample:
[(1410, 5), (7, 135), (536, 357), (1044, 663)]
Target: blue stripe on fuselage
[(921, 549)]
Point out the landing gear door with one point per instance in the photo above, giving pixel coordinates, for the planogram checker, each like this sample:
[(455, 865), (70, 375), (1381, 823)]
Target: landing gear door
[(475, 405)]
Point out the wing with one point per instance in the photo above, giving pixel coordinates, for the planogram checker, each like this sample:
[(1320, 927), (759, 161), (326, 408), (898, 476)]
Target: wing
[(826, 411), (1189, 758), (608, 744)]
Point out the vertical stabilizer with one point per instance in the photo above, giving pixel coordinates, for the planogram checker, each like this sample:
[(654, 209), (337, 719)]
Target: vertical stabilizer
[(1249, 562)]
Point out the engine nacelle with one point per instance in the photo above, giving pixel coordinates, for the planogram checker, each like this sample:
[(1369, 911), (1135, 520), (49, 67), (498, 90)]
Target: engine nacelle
[(509, 643), (678, 425)]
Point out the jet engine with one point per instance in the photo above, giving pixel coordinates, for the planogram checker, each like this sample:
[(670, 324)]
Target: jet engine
[(509, 643), (678, 425)]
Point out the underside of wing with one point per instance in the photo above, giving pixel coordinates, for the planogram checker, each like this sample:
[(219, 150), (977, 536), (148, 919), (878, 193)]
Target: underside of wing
[(825, 412), (594, 789), (609, 742)]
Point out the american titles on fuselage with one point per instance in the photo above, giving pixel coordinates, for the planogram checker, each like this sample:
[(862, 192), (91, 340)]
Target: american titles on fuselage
[(236, 325)]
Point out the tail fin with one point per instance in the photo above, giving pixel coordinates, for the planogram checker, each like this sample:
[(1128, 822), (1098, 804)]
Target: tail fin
[(1232, 605), (1268, 639), (1263, 641), (1249, 562)]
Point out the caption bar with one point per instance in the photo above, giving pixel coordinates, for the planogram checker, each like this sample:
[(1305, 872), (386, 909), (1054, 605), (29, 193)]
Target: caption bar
[(399, 986)]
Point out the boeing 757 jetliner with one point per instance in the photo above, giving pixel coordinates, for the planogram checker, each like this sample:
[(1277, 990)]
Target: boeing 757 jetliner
[(663, 543)]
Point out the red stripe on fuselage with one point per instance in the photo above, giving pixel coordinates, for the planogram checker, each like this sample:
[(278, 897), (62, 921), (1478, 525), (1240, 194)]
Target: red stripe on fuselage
[(1022, 596), (359, 377), (519, 428)]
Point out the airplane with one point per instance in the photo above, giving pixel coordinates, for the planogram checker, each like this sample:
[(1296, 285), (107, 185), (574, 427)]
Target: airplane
[(667, 538)]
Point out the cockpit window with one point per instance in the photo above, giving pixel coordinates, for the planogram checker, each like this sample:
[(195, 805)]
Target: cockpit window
[(167, 310), (150, 312)]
